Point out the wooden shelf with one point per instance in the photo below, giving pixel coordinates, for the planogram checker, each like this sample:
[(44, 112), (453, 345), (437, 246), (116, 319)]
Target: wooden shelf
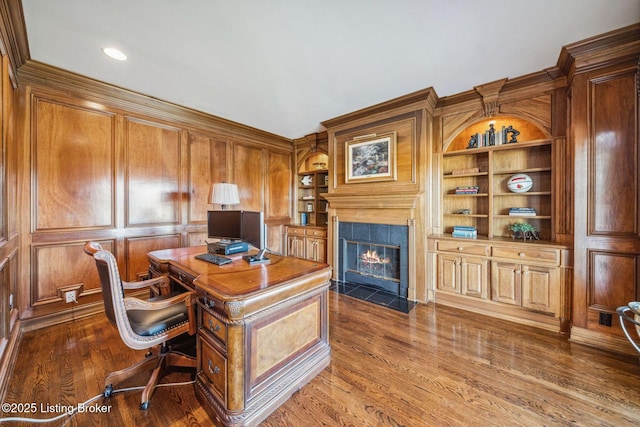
[(495, 165), (311, 205)]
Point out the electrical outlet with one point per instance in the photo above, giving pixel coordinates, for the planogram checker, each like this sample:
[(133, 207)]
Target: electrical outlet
[(604, 319), (70, 296)]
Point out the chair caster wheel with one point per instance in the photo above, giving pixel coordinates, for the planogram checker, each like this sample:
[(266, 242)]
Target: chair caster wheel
[(144, 405), (108, 391)]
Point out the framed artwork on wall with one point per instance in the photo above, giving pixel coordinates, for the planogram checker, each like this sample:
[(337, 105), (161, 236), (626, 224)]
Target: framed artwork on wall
[(371, 158)]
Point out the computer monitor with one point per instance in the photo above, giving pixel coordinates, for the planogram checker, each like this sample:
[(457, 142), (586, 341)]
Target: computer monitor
[(225, 224), (253, 228)]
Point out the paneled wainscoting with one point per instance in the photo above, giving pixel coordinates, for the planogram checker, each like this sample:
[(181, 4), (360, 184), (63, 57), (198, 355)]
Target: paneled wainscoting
[(435, 366)]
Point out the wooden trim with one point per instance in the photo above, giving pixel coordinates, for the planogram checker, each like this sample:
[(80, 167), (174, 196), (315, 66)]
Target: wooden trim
[(8, 359), (613, 343), (427, 96), (40, 75), (605, 49), (372, 201), (13, 36)]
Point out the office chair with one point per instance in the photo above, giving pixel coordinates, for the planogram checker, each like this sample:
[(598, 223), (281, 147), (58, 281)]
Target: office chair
[(158, 321), (626, 312)]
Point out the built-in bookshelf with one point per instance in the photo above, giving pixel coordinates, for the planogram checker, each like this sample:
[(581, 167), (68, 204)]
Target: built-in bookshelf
[(490, 209), (312, 207)]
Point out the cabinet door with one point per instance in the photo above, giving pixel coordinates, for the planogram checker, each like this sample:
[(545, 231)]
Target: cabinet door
[(295, 246), (540, 288), (474, 274), (316, 249), (448, 274), (505, 282)]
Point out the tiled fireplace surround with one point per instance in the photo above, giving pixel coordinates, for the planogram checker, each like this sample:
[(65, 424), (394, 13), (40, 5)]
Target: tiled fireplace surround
[(373, 263), (383, 209)]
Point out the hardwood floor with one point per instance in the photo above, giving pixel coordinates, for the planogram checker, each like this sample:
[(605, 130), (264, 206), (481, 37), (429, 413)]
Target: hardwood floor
[(435, 366)]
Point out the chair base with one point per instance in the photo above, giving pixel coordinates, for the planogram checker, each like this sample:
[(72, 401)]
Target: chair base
[(158, 363)]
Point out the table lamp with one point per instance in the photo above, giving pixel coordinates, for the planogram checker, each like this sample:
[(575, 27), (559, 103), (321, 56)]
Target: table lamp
[(224, 194)]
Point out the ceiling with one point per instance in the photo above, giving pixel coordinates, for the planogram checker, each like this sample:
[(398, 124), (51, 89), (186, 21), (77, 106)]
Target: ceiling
[(284, 66)]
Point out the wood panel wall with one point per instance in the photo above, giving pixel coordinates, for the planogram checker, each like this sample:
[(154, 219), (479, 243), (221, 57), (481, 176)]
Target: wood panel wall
[(100, 163), (9, 238), (605, 122)]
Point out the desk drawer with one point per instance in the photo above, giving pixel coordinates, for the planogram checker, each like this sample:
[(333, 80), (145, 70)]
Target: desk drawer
[(214, 326), (213, 370), (463, 248), (551, 256), (181, 276)]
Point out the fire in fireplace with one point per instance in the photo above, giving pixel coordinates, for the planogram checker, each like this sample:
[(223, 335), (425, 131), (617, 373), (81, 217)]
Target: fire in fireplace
[(376, 255), (379, 261)]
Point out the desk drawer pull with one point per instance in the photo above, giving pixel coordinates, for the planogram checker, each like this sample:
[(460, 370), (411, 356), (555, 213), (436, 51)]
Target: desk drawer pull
[(521, 254), (209, 303), (213, 328), (213, 369)]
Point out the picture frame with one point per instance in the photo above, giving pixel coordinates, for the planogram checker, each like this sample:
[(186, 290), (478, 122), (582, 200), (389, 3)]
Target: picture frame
[(371, 158)]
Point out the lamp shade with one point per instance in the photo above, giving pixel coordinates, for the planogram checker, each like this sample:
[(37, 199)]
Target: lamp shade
[(224, 194)]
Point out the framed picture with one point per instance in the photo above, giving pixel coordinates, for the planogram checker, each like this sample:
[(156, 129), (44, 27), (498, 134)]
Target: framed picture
[(371, 158)]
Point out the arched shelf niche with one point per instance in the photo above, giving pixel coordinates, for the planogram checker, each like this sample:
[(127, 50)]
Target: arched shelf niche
[(528, 131), (313, 161)]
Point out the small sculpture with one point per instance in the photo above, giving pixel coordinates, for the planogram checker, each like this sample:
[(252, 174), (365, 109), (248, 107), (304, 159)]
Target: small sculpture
[(514, 134), (473, 142)]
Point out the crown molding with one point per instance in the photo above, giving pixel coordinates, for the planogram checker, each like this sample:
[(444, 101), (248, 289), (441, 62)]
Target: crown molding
[(596, 52), (13, 37), (43, 78)]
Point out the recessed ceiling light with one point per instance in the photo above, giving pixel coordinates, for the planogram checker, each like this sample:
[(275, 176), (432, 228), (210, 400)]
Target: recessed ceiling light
[(114, 53)]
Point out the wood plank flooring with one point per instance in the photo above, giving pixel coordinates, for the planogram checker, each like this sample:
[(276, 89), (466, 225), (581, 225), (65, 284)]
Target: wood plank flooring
[(435, 366)]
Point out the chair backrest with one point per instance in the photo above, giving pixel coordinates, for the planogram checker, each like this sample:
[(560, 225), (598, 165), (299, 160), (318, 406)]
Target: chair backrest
[(113, 292)]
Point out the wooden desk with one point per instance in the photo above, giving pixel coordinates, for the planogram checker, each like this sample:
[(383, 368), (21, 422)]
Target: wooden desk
[(263, 330)]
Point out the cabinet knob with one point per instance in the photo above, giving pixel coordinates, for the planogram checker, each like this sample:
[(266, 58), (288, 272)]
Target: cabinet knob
[(212, 369), (460, 248), (521, 254)]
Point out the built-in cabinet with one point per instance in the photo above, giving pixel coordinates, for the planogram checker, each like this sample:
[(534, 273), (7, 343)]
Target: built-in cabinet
[(307, 242), (511, 279), (493, 271), (307, 236)]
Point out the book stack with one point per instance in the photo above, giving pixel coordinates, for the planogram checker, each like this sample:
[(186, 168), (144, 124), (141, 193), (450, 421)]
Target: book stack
[(467, 232), (522, 212), (470, 189)]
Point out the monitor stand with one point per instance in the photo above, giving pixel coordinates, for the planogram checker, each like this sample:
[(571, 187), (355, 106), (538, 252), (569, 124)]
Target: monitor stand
[(258, 258)]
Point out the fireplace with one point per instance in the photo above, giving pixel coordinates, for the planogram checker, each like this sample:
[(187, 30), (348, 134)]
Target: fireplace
[(375, 255)]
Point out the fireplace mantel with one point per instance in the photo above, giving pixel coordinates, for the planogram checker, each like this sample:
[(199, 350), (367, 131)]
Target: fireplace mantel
[(372, 201)]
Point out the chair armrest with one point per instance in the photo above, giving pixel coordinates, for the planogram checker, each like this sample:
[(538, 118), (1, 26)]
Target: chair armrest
[(131, 303), (159, 285), (622, 312)]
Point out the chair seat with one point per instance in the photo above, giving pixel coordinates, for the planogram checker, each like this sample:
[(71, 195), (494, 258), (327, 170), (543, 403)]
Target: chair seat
[(153, 322)]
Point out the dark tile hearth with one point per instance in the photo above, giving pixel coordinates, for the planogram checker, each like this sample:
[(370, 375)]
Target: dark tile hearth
[(373, 295)]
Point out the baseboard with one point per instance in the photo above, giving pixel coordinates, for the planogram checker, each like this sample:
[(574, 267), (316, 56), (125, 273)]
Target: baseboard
[(602, 341), (9, 357), (79, 312), (500, 311)]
